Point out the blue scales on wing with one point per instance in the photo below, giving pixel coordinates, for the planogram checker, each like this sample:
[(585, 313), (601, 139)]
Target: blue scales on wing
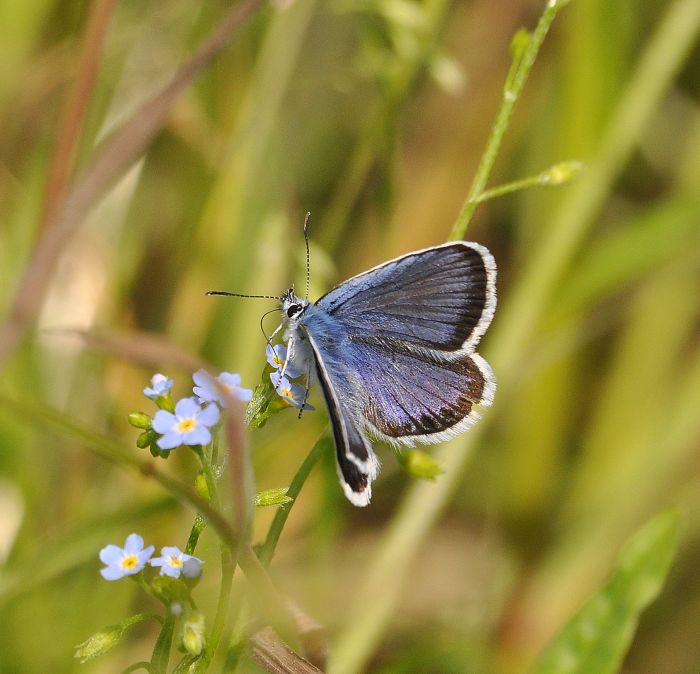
[(415, 395), (441, 298)]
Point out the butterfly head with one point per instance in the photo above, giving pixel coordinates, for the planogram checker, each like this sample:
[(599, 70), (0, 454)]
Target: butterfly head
[(292, 305)]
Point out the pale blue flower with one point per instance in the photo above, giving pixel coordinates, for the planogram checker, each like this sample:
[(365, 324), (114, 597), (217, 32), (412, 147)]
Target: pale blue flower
[(293, 393), (160, 386), (207, 389), (125, 561), (188, 426), (277, 355), (174, 562)]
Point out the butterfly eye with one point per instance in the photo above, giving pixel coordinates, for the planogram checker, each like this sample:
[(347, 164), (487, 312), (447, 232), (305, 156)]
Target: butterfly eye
[(293, 310)]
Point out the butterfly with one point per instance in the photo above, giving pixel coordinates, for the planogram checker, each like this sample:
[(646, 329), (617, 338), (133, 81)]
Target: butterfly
[(393, 350)]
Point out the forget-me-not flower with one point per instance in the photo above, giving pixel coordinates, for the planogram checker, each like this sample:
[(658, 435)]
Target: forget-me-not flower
[(207, 389), (160, 385), (188, 426), (174, 562), (293, 393), (125, 561), (277, 355)]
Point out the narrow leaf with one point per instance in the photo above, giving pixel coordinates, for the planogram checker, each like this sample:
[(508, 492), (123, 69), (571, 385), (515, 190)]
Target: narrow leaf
[(596, 639)]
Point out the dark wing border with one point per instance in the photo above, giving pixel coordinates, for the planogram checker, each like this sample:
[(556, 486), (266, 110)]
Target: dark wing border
[(355, 475)]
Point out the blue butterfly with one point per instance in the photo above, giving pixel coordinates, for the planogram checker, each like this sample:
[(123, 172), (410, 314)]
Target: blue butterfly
[(393, 349)]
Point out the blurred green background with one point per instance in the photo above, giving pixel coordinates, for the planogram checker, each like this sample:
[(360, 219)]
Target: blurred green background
[(373, 116)]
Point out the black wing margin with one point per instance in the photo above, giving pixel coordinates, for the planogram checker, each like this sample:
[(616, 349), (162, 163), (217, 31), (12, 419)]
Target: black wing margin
[(355, 459)]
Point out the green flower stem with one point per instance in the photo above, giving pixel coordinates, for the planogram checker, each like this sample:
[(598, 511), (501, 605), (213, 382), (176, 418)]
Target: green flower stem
[(161, 651), (267, 550), (227, 565), (555, 176), (197, 527), (523, 61)]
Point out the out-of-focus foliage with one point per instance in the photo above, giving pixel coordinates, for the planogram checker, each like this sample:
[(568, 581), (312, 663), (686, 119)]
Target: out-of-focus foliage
[(373, 116)]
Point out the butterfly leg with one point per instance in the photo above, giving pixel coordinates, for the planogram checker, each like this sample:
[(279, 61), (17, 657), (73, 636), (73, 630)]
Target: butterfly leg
[(306, 392), (290, 351)]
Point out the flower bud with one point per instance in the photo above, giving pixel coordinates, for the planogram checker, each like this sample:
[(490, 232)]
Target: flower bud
[(140, 420), (99, 643), (193, 633), (146, 439), (201, 487), (270, 497), (420, 465), (561, 173)]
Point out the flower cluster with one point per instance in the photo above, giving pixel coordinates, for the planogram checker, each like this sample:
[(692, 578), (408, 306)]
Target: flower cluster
[(190, 420), (285, 369), (133, 557)]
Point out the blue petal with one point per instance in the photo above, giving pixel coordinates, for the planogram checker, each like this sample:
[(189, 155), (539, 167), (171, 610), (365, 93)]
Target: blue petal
[(206, 388), (170, 440), (171, 551), (209, 415), (230, 379), (199, 436), (278, 381), (202, 378), (112, 573), (163, 421), (111, 554), (187, 407), (145, 554), (244, 394), (170, 571), (298, 392), (204, 395), (133, 544)]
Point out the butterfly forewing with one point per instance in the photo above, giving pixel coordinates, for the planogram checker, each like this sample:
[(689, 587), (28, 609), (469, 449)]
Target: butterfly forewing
[(356, 462), (440, 298)]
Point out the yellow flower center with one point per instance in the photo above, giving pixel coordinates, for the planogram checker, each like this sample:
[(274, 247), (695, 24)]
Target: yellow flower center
[(278, 360), (129, 562), (287, 392), (186, 425), (175, 561)]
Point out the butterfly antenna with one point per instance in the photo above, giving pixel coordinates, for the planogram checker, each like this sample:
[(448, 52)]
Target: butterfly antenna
[(308, 257), (259, 297)]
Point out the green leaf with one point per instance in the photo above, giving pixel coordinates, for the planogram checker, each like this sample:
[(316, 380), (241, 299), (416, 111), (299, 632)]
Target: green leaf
[(596, 639)]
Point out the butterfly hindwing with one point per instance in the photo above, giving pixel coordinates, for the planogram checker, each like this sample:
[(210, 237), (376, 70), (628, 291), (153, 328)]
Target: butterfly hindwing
[(418, 396)]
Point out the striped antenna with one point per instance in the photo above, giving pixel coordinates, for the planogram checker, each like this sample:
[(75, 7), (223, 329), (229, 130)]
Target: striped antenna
[(223, 293), (308, 257)]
